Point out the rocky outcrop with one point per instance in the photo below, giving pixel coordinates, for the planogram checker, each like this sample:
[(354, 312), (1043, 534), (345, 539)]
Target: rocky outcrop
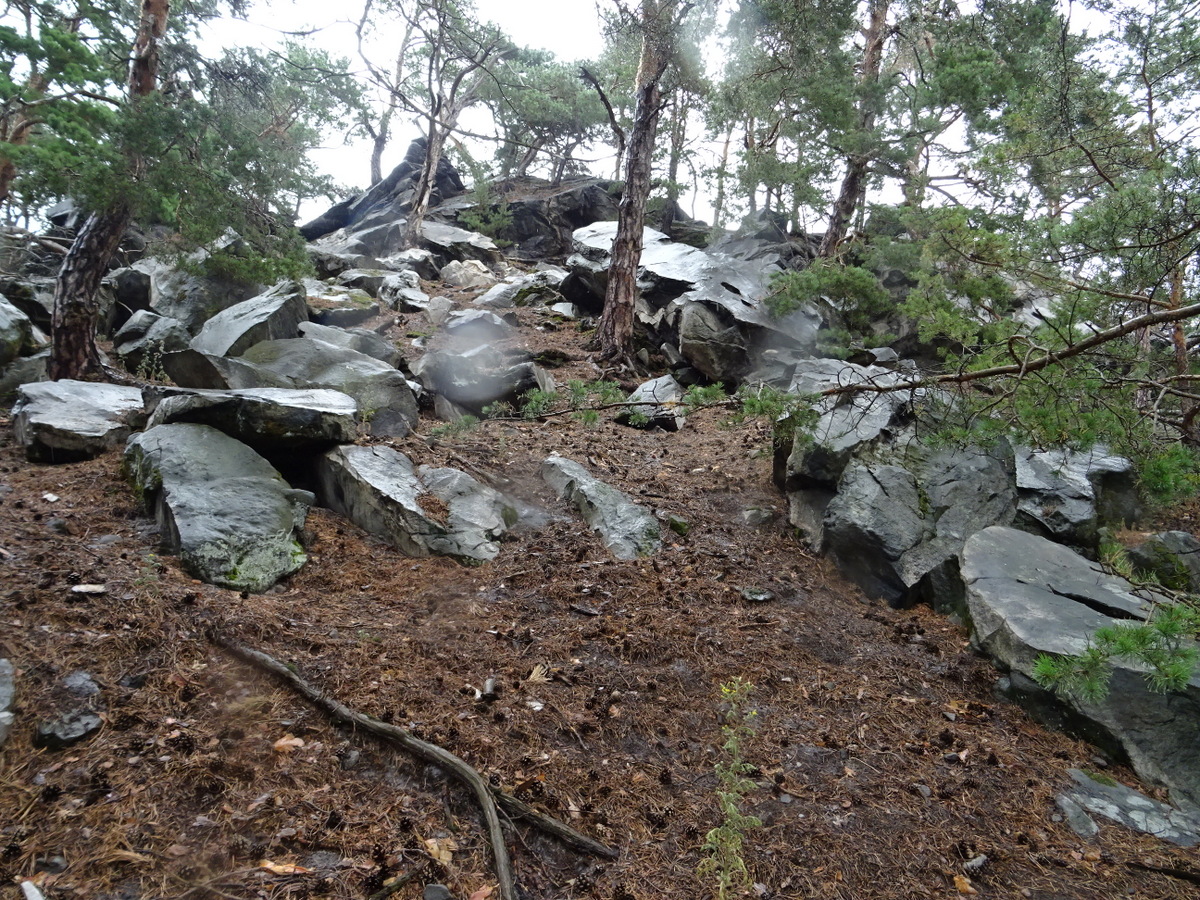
[(274, 315), (145, 337), (227, 513), (1027, 597), (1173, 557), (628, 531), (66, 421), (424, 511), (1067, 495), (474, 378), (710, 307)]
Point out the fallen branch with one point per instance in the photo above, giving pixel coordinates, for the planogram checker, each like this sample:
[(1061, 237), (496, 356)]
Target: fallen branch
[(486, 796)]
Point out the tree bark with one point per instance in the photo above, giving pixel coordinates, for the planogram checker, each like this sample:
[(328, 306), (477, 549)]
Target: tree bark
[(858, 165), (73, 352), (659, 20)]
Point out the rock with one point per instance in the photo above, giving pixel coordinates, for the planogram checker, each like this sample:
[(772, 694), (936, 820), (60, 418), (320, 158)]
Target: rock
[(402, 291), (537, 287), (543, 216), (66, 421), (191, 298), (450, 244), (275, 315), (709, 305), (423, 511), (627, 530), (69, 728), (1028, 596), (1068, 495), (227, 513), (270, 420), (415, 261), (660, 403), (470, 274), (16, 332), (436, 892), (370, 281), (145, 337), (81, 684), (26, 370), (472, 327), (385, 401), (1105, 797), (479, 376), (1173, 557), (7, 720), (360, 340), (8, 685)]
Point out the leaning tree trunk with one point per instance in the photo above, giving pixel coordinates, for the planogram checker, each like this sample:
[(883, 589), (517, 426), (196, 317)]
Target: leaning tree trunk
[(659, 21), (73, 352), (423, 190), (858, 166)]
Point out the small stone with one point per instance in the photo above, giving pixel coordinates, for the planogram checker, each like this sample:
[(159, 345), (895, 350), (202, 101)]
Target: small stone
[(757, 595), (81, 684), (58, 526), (67, 730), (50, 498), (6, 724), (92, 590), (436, 892), (52, 864), (321, 859), (8, 686), (923, 789), (679, 525)]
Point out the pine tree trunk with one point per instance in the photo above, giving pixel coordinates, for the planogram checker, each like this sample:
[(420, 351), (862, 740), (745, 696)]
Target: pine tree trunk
[(424, 187), (73, 351), (616, 322), (854, 184)]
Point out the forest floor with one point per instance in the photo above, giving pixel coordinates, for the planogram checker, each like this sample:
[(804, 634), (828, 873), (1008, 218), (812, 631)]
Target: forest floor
[(883, 760)]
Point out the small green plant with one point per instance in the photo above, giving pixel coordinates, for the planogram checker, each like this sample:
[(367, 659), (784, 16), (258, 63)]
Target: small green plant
[(536, 403), (461, 426), (490, 216), (724, 862), (1164, 644)]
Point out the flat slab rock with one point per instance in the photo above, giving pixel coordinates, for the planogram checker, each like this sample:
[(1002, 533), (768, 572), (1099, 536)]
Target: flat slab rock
[(67, 421), (628, 530), (1097, 796), (424, 511), (227, 513), (1028, 596), (267, 419)]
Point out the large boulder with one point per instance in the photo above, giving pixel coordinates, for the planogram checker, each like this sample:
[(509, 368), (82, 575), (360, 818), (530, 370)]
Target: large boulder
[(145, 337), (659, 404), (16, 332), (1173, 557), (360, 340), (1069, 495), (897, 530), (179, 293), (227, 513), (273, 315), (628, 530), (424, 511), (270, 420), (1028, 597), (707, 305), (476, 377), (66, 421)]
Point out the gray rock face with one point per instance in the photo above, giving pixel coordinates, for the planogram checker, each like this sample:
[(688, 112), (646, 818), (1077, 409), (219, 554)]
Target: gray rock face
[(537, 287), (384, 398), (708, 305), (476, 326), (423, 511), (469, 274), (1028, 596), (146, 336), (1130, 808), (25, 370), (449, 244), (66, 421), (1173, 557), (270, 420), (402, 290), (190, 298), (628, 531), (275, 315), (8, 690), (360, 340), (230, 516), (1068, 495), (477, 377), (16, 332), (660, 404)]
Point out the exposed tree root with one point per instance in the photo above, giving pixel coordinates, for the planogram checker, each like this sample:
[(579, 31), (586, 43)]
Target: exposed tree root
[(486, 796)]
